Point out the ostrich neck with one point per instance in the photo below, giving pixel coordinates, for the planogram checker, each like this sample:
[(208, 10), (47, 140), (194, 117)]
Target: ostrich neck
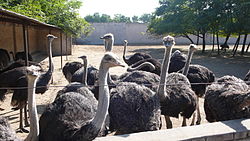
[(109, 45), (51, 65), (124, 53), (145, 64), (84, 78), (103, 102), (186, 67), (34, 125), (164, 73)]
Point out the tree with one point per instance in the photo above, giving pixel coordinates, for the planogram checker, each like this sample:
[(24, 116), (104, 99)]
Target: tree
[(119, 18), (97, 18), (145, 18), (135, 19)]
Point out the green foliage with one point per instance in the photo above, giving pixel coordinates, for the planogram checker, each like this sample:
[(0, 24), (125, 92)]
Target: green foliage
[(62, 13), (98, 18), (182, 17), (119, 18)]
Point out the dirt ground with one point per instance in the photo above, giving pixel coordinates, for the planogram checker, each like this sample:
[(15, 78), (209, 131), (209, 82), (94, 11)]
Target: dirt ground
[(220, 65)]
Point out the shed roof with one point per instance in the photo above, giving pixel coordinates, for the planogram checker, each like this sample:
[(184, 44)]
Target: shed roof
[(10, 16)]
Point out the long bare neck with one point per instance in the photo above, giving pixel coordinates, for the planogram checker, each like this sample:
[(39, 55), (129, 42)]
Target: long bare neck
[(34, 125), (124, 53), (186, 67), (103, 101), (84, 78), (145, 64), (51, 65), (109, 45), (164, 73)]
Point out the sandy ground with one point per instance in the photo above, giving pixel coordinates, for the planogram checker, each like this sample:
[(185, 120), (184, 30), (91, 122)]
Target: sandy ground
[(221, 65)]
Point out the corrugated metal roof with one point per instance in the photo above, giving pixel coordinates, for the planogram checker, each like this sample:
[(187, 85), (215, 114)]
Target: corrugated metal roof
[(10, 16)]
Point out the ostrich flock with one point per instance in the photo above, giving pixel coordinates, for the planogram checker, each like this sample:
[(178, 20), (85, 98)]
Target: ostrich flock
[(97, 103)]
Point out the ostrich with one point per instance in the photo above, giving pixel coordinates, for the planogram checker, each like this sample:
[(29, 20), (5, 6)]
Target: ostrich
[(178, 98), (70, 68), (74, 116), (21, 56), (19, 98), (177, 61), (6, 133), (135, 57), (108, 41), (227, 99)]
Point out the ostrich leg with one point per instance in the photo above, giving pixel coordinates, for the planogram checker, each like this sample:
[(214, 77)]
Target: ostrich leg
[(26, 122), (168, 122), (21, 128), (198, 113), (184, 122)]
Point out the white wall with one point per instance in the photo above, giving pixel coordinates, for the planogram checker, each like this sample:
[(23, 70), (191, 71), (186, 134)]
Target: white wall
[(135, 33)]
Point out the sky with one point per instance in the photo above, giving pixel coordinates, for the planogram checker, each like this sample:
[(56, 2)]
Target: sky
[(128, 8)]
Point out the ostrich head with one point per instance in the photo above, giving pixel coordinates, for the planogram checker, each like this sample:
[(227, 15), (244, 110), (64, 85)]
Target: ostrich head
[(193, 47), (125, 42), (33, 71), (168, 41), (51, 37), (83, 57), (111, 60), (108, 37)]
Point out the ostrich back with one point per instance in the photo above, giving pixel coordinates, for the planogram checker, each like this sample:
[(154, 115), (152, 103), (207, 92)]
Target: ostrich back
[(200, 74), (155, 62), (228, 100), (92, 75), (43, 81), (134, 108), (4, 58), (177, 61), (6, 133), (70, 68), (66, 115), (137, 57), (147, 79), (180, 99)]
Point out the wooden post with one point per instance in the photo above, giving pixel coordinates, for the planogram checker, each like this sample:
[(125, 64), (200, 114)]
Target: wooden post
[(61, 48), (66, 47), (14, 39), (25, 41)]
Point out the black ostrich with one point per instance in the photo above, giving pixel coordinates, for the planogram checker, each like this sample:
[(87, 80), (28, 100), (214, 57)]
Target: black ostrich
[(135, 57), (19, 98), (177, 97), (4, 58), (74, 116), (6, 133), (70, 68), (226, 99), (177, 61), (21, 56)]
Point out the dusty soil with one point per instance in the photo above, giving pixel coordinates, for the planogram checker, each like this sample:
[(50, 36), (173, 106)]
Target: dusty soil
[(220, 65)]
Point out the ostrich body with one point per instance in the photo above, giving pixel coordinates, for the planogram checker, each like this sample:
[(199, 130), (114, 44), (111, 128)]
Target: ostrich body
[(177, 98), (227, 99), (73, 116), (8, 134), (4, 58), (70, 68), (177, 61), (135, 57), (21, 56)]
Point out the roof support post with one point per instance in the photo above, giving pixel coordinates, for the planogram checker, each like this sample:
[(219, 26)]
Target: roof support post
[(26, 44)]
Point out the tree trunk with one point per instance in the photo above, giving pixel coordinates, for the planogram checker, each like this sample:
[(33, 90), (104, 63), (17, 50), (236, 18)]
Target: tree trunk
[(203, 42), (247, 47), (243, 45), (198, 38), (192, 42), (218, 43), (236, 45), (213, 42), (226, 39)]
